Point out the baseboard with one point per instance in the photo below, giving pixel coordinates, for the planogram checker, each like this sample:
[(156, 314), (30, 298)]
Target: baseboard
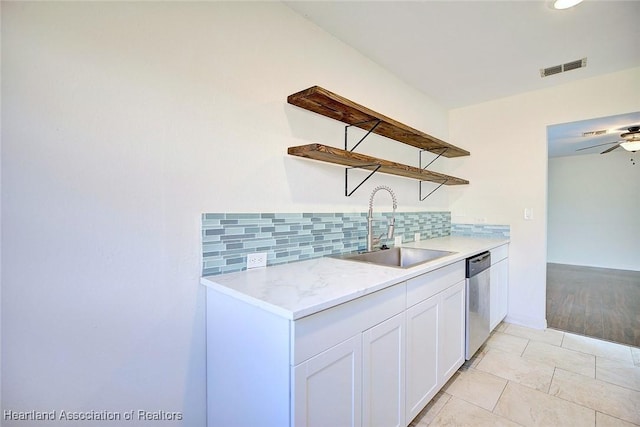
[(528, 322)]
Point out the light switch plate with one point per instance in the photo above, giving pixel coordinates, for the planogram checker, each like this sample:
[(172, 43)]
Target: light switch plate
[(416, 237), (397, 241), (528, 213)]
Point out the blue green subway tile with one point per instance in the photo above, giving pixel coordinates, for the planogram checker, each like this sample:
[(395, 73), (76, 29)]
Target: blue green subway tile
[(232, 268), (243, 216), (231, 253), (301, 239), (260, 243), (214, 232), (289, 215), (237, 236), (210, 271), (285, 247), (267, 229), (295, 227), (210, 223), (253, 222), (230, 261), (264, 248), (209, 240), (284, 233), (282, 254), (234, 246), (307, 227), (267, 215), (214, 263), (214, 216), (228, 221), (252, 229), (262, 236)]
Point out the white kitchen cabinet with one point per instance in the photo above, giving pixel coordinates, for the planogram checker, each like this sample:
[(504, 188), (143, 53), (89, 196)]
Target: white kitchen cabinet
[(435, 333), (422, 355), (499, 285), (451, 329), (369, 361), (383, 374), (328, 387)]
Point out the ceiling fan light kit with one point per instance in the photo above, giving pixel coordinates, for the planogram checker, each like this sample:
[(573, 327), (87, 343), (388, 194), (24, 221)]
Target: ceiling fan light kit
[(631, 139), (565, 4), (631, 145)]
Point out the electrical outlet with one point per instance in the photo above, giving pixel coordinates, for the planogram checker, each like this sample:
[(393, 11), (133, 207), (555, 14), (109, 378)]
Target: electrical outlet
[(256, 260), (416, 237), (397, 241)]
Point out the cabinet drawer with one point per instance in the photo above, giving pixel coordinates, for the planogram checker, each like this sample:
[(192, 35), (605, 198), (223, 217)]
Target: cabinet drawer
[(499, 253), (426, 285), (318, 332)]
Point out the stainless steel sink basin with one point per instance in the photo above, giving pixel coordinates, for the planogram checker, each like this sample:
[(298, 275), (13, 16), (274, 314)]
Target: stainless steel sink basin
[(398, 257)]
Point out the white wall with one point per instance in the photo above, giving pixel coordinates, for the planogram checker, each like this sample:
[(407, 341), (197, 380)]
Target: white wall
[(122, 123), (508, 170), (593, 207)]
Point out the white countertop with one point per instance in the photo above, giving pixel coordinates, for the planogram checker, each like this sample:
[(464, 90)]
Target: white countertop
[(302, 288)]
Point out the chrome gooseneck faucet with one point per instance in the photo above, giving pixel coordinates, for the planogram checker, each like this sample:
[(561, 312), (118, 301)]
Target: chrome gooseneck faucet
[(373, 240)]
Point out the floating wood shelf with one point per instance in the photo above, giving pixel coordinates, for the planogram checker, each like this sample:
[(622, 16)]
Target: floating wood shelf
[(329, 104), (348, 158)]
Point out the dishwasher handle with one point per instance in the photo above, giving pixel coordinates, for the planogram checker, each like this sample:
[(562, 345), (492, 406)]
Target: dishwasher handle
[(481, 257), (478, 263)]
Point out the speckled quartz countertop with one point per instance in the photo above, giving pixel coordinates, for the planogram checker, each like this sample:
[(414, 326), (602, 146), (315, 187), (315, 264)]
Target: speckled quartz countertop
[(302, 288)]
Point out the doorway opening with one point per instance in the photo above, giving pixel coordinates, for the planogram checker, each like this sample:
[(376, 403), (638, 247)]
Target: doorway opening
[(593, 230)]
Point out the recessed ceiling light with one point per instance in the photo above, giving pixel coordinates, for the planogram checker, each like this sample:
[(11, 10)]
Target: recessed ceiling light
[(565, 4)]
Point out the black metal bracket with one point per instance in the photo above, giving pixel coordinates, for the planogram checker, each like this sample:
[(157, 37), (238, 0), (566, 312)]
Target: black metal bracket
[(346, 177), (346, 132), (437, 157), (376, 166), (422, 199)]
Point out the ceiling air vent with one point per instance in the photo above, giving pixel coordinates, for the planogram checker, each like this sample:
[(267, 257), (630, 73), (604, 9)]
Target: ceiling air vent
[(556, 69), (594, 132)]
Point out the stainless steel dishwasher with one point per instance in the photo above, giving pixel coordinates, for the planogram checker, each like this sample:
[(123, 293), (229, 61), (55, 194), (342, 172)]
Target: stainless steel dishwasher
[(477, 316)]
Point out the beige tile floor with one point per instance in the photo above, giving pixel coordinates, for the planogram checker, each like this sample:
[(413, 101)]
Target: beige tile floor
[(527, 377)]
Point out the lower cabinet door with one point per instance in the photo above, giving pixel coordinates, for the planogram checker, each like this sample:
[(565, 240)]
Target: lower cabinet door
[(499, 292), (328, 387), (383, 374), (422, 355), (451, 329)]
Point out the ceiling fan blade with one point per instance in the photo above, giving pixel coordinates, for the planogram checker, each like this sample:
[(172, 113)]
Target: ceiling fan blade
[(599, 145), (611, 148)]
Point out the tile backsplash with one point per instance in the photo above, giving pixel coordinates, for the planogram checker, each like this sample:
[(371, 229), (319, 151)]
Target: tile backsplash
[(481, 230), (227, 238)]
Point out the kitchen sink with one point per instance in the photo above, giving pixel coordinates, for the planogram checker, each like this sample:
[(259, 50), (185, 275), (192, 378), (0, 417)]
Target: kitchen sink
[(397, 257)]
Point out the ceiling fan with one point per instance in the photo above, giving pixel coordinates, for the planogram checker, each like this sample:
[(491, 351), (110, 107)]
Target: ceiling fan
[(630, 141)]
